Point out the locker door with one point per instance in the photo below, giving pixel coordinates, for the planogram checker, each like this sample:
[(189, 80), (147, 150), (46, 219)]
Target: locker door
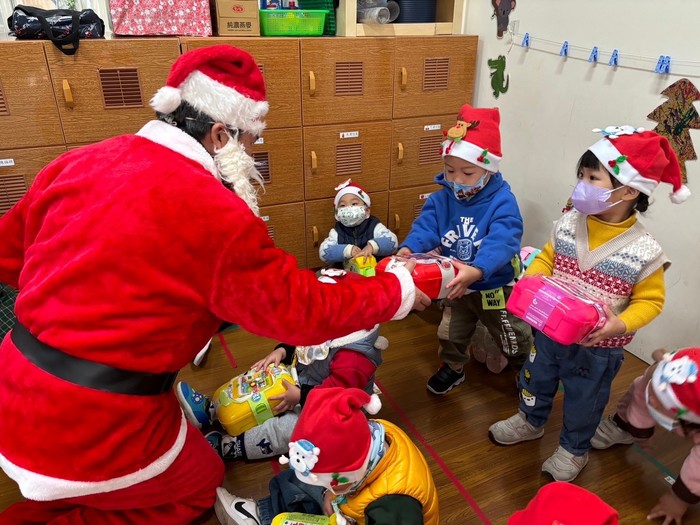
[(320, 219), (279, 154), (18, 168), (279, 64), (104, 90), (346, 80), (434, 75), (28, 113), (285, 224), (333, 154), (416, 156), (405, 206)]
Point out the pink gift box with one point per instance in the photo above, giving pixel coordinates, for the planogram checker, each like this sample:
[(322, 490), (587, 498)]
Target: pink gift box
[(161, 17)]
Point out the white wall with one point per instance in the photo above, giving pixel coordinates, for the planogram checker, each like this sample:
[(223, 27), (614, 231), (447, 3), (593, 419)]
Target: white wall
[(552, 105)]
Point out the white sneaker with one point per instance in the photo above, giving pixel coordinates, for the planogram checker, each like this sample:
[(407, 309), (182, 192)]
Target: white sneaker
[(563, 465), (514, 430), (202, 355), (608, 434), (231, 510)]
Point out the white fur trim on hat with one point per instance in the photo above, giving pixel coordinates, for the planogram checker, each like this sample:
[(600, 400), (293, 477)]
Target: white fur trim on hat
[(382, 343), (374, 405), (605, 151), (221, 103), (680, 195), (465, 150), (348, 187)]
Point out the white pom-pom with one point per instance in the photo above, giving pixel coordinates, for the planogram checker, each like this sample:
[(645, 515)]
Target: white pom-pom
[(166, 100), (681, 195), (374, 405), (283, 460), (382, 343)]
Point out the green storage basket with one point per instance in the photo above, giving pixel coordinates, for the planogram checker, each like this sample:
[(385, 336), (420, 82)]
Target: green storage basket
[(292, 22), (330, 25)]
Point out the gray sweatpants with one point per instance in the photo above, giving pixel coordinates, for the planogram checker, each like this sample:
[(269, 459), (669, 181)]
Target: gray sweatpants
[(272, 437)]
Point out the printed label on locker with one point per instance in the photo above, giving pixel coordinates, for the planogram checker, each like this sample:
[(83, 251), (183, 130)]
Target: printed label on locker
[(424, 196), (7, 162), (349, 134), (260, 141), (265, 218), (432, 127)]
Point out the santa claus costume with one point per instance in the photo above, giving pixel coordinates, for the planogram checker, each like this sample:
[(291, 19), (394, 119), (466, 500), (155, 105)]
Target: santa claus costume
[(128, 254)]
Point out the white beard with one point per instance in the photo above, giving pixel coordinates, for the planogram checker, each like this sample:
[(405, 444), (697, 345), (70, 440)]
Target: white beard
[(236, 169)]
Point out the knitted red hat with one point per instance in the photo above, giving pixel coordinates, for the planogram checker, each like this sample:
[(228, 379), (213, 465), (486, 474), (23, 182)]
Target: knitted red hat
[(331, 441), (562, 503), (476, 137), (640, 159), (350, 187), (676, 385), (222, 82)]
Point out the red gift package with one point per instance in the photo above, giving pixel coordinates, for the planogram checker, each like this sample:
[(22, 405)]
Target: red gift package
[(161, 17), (431, 275)]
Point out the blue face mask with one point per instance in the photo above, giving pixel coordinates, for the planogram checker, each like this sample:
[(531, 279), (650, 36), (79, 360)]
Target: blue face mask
[(467, 191)]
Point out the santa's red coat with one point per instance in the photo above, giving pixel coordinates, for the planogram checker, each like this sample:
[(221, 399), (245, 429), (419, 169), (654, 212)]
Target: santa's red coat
[(130, 253)]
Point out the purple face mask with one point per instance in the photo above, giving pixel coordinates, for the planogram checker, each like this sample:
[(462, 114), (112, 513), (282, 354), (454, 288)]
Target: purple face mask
[(591, 200)]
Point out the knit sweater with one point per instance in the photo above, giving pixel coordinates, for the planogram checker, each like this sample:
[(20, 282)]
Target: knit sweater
[(618, 263)]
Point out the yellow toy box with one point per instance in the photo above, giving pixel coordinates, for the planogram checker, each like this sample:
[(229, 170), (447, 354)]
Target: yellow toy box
[(243, 402), (296, 518), (362, 265)]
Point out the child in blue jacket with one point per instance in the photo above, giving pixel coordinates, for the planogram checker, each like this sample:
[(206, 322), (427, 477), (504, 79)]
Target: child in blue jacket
[(475, 220)]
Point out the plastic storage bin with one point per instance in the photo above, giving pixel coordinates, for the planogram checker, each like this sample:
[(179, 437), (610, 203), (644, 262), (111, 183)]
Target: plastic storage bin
[(292, 22), (563, 312), (329, 26), (431, 275)]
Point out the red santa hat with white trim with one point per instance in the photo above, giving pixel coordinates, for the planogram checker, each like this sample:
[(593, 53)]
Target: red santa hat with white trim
[(676, 384), (475, 137), (350, 188), (640, 159), (222, 81), (330, 444)]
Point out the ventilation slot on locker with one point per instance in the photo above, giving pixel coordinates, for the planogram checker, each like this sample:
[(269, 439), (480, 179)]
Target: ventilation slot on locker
[(416, 210), (430, 150), (349, 79), (262, 164), (4, 110), (261, 67), (121, 88), (271, 231), (12, 188), (348, 159), (436, 73)]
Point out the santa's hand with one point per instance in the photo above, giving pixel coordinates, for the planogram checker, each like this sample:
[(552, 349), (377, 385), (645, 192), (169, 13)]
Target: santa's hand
[(613, 326), (275, 357), (288, 400)]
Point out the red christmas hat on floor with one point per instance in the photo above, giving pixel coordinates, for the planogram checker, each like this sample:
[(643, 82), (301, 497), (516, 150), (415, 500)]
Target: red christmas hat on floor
[(331, 441), (640, 159), (562, 503), (222, 81), (476, 137), (676, 384)]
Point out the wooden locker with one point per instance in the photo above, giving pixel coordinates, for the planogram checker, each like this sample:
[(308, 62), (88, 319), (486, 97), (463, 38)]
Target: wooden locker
[(346, 80), (104, 90), (333, 154), (416, 157), (28, 113), (434, 75), (285, 224), (279, 64), (405, 206), (18, 168), (279, 154), (320, 219)]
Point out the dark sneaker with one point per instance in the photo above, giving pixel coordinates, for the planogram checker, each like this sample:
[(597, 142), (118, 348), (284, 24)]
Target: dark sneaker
[(444, 380)]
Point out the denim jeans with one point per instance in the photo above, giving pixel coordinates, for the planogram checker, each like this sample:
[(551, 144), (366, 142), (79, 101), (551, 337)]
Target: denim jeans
[(586, 373), (288, 494)]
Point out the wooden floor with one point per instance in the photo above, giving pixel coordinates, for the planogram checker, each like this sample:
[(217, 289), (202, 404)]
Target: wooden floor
[(477, 481)]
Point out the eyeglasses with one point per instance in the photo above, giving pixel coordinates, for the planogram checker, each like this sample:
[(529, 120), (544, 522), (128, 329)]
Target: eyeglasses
[(237, 132)]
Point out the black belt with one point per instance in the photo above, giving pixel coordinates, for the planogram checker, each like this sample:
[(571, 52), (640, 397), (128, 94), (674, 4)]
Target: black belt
[(88, 373)]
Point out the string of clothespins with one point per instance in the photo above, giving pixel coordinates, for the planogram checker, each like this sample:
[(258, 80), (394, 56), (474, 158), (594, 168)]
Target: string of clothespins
[(660, 65)]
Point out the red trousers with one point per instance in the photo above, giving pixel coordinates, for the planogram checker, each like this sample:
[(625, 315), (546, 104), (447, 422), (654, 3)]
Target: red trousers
[(177, 496)]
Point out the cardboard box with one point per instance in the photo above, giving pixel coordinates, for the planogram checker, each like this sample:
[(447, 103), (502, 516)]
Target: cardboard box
[(237, 8), (238, 26)]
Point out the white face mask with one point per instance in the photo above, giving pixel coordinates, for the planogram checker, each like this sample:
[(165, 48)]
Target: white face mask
[(351, 215), (665, 421)]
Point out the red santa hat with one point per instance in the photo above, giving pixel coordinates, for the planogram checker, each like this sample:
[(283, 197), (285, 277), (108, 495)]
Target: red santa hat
[(222, 81), (562, 503), (676, 385), (475, 138), (349, 187), (640, 159), (331, 441)]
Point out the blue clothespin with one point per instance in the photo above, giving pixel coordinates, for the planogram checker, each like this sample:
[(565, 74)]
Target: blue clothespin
[(526, 40), (564, 49), (594, 54), (614, 58), (667, 65), (660, 65)]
